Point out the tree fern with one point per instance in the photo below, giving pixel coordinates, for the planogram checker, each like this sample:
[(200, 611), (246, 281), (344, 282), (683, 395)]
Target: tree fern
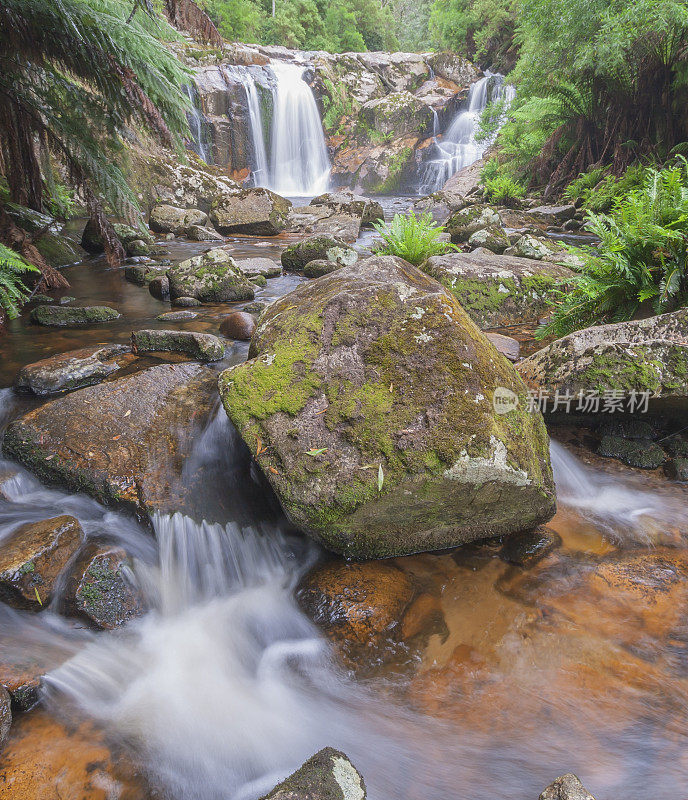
[(13, 292)]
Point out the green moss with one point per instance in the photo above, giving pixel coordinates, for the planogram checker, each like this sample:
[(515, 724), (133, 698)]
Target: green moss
[(397, 165)]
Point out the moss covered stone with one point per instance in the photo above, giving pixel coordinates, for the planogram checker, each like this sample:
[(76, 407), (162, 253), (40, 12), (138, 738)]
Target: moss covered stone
[(199, 346), (634, 452), (212, 277), (254, 211), (321, 247), (368, 400), (61, 316)]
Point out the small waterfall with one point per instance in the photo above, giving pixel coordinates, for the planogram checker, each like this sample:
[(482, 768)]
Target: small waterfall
[(458, 147), (259, 166), (196, 123), (299, 163)]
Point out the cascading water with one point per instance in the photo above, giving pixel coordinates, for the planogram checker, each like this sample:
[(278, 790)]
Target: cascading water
[(299, 162), (259, 165), (196, 123), (458, 148)]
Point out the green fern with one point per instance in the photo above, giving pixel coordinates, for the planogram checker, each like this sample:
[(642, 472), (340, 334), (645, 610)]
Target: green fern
[(13, 292), (413, 238)]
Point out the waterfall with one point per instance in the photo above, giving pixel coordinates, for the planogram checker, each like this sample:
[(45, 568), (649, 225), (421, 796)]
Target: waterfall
[(259, 166), (196, 122), (458, 147), (299, 163)]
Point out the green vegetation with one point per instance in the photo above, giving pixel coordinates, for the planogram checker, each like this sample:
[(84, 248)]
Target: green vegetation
[(503, 190), (641, 262), (412, 238), (13, 292)]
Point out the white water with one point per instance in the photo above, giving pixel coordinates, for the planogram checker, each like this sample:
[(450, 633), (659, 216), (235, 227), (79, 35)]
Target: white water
[(299, 162), (458, 147), (196, 121)]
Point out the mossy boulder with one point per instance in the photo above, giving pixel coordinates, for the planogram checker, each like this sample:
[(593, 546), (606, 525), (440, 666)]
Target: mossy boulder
[(212, 277), (137, 247), (368, 399), (469, 220), (74, 369), (258, 267), (63, 316), (32, 558), (346, 202), (319, 267), (641, 453), (320, 247), (529, 246), (497, 289), (647, 355), (328, 775), (199, 346), (142, 274), (165, 218), (396, 114), (253, 211), (492, 238)]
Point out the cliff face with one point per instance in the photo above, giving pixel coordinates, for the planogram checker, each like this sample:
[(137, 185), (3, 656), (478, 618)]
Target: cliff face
[(378, 110)]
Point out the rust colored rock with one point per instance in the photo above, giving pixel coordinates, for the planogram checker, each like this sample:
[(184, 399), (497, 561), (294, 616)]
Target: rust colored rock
[(508, 347), (238, 325), (33, 556)]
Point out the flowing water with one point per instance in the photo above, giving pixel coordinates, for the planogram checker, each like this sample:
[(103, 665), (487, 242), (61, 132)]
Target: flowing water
[(458, 147), (578, 663), (196, 124)]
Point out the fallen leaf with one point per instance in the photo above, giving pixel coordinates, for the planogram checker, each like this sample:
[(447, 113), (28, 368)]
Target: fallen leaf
[(274, 471), (115, 438), (38, 597), (316, 451), (380, 478), (322, 411), (49, 458), (127, 413)]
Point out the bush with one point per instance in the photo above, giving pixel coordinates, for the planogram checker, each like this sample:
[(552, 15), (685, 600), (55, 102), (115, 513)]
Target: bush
[(641, 260), (13, 292), (504, 190), (580, 188), (412, 238)]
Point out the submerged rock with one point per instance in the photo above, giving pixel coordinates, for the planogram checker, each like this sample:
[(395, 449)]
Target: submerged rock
[(199, 346), (100, 588), (257, 211), (238, 325), (176, 316), (568, 787), (63, 316), (123, 441), (318, 248), (186, 302), (142, 274), (527, 548), (634, 452), (33, 556), (328, 775), (168, 219), (212, 277), (368, 400), (497, 290), (72, 370), (647, 355)]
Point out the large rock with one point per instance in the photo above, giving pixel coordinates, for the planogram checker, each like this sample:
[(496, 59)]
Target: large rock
[(471, 219), (168, 219), (72, 370), (368, 399), (554, 215), (647, 355), (92, 241), (345, 202), (328, 775), (212, 277), (318, 248), (466, 180), (122, 441), (252, 267), (397, 114), (64, 316), (238, 325), (256, 211), (199, 346), (100, 588), (453, 67), (33, 556), (497, 290), (568, 787)]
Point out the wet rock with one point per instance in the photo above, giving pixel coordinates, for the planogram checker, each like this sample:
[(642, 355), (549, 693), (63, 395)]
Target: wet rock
[(255, 308), (344, 202), (259, 280), (492, 238), (159, 287), (453, 67), (33, 556), (142, 274), (568, 787), (371, 392), (469, 220), (101, 590), (199, 233), (168, 219), (467, 180), (42, 298), (238, 325), (137, 247), (186, 302), (62, 316), (508, 347), (440, 205), (554, 215), (251, 267), (528, 547), (5, 717), (328, 775), (647, 355), (379, 168), (22, 675), (123, 441), (356, 603), (497, 290), (212, 277), (319, 267), (318, 248), (199, 346), (397, 114), (92, 241), (676, 445), (530, 247), (677, 469), (72, 370), (640, 453), (66, 299), (176, 316), (254, 211), (629, 428), (423, 616)]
